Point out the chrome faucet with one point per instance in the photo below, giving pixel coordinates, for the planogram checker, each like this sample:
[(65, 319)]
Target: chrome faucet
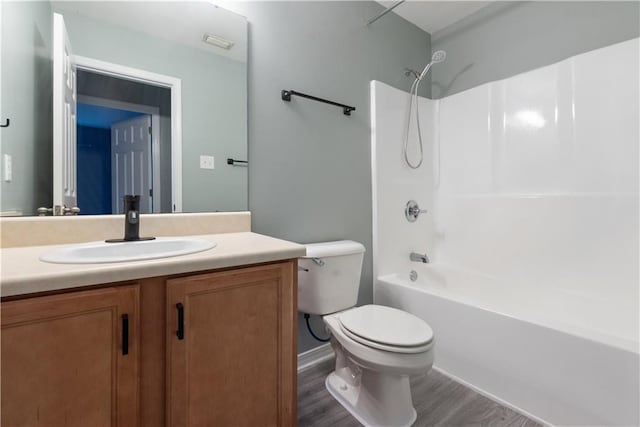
[(414, 256)]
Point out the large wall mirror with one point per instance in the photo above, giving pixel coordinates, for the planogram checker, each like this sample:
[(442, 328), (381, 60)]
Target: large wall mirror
[(104, 99)]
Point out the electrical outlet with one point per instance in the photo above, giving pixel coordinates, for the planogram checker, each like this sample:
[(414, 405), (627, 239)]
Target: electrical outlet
[(206, 162)]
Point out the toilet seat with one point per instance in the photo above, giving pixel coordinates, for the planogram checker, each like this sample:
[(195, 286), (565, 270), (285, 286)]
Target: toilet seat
[(386, 328), (378, 346)]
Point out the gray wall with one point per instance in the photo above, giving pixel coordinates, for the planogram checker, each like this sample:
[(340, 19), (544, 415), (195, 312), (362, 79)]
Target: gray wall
[(508, 38), (214, 107), (310, 173), (26, 99)]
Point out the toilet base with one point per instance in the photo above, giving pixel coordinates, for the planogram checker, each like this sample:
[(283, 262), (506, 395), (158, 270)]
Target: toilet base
[(384, 401)]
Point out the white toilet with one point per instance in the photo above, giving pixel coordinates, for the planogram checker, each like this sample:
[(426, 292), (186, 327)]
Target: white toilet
[(376, 347)]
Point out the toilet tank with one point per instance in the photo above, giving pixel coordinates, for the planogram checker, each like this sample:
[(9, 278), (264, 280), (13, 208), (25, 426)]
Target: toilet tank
[(329, 276)]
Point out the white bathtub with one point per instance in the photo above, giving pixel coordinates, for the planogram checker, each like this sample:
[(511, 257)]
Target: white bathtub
[(561, 358)]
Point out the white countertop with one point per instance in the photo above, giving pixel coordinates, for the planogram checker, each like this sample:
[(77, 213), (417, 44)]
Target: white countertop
[(23, 273)]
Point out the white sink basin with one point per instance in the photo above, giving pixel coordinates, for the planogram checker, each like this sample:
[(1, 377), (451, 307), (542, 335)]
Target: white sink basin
[(101, 252)]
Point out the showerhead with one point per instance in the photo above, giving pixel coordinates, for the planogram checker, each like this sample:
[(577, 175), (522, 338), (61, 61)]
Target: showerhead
[(438, 56)]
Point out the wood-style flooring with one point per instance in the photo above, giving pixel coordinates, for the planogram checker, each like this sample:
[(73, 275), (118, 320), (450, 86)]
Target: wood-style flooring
[(438, 400)]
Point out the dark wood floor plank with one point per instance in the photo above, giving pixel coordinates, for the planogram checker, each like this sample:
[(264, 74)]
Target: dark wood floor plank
[(438, 400)]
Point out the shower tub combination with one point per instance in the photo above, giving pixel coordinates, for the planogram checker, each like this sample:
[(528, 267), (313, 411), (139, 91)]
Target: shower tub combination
[(527, 347), (531, 187)]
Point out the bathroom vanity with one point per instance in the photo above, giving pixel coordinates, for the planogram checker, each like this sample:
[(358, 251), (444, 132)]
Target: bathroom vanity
[(201, 339)]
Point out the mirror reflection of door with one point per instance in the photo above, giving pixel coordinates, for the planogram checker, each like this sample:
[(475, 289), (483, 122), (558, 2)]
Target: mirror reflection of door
[(64, 119), (124, 144), (131, 162), (86, 174), (114, 156)]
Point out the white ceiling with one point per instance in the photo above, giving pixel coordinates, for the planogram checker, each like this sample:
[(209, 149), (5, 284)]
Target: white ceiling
[(432, 16), (187, 21), (181, 22)]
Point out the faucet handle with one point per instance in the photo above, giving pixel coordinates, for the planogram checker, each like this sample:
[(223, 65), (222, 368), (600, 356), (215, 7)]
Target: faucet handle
[(412, 211)]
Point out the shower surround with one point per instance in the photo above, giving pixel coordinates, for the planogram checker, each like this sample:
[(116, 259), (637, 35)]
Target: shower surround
[(532, 189)]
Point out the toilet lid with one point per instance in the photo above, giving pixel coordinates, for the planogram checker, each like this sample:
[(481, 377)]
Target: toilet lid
[(387, 326)]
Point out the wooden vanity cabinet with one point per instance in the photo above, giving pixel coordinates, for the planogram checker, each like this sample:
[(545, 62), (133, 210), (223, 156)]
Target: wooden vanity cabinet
[(71, 359), (210, 349), (231, 357)]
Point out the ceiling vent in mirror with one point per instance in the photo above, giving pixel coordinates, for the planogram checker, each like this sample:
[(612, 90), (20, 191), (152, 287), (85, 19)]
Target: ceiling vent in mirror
[(217, 41)]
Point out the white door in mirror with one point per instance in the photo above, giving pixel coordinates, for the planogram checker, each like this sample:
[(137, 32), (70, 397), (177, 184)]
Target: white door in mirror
[(64, 118), (101, 252), (131, 162)]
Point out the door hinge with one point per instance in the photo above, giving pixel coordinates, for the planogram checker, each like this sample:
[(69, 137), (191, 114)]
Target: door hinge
[(151, 192), (149, 130)]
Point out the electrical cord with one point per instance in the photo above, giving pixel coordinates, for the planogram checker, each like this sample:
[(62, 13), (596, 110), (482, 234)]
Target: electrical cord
[(306, 318)]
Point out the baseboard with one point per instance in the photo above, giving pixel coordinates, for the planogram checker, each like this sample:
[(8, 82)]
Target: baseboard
[(493, 397), (310, 358)]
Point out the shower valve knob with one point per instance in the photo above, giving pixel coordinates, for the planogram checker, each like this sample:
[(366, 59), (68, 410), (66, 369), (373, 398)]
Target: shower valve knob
[(412, 211)]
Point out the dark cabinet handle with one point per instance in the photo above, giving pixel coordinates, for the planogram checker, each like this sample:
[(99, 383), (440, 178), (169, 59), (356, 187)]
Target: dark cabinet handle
[(180, 331), (125, 334)]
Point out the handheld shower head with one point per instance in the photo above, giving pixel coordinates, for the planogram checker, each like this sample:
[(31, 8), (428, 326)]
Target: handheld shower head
[(438, 56)]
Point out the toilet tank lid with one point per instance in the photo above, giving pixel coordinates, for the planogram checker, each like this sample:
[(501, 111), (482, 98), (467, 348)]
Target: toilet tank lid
[(337, 248)]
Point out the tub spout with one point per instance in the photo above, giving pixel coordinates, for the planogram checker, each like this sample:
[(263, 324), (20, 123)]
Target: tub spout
[(419, 257)]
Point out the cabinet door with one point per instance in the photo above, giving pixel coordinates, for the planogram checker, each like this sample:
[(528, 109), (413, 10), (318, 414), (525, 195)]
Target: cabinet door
[(63, 361), (231, 343)]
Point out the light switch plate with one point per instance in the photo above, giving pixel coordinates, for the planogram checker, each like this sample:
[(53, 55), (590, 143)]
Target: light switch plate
[(7, 167), (206, 162)]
